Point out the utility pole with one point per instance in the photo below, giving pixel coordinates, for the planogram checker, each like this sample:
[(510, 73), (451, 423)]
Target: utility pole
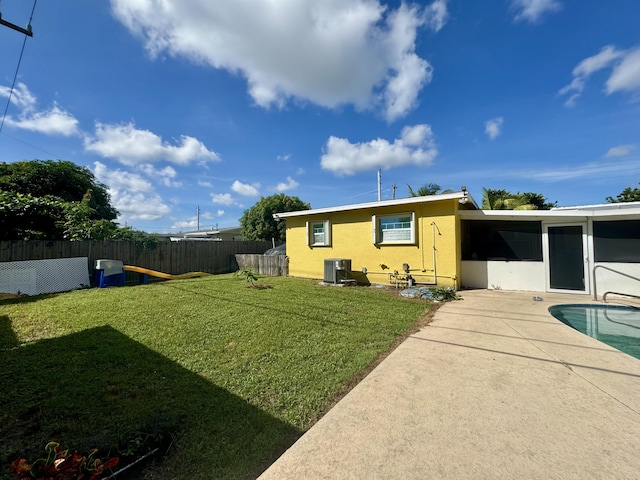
[(26, 31), (394, 191), (379, 184), (198, 217)]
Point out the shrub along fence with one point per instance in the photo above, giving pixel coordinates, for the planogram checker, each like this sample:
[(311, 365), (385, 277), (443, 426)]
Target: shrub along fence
[(168, 257)]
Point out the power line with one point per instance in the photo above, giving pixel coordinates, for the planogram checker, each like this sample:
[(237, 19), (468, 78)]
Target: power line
[(15, 76), (53, 155)]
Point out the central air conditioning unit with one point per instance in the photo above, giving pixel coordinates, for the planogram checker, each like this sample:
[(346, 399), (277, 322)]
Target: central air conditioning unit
[(336, 270)]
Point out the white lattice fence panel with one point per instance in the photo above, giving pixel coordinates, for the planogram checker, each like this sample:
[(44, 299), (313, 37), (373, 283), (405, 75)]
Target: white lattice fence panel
[(33, 277)]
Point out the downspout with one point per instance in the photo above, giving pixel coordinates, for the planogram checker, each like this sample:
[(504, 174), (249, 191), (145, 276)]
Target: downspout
[(435, 255), (433, 246), (424, 269), (434, 227)]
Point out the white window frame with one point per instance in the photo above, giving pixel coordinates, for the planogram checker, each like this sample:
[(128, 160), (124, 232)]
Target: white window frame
[(311, 242), (376, 236)]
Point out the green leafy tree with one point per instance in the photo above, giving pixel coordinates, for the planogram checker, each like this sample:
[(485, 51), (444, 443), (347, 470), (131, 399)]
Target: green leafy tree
[(56, 200), (142, 240), (257, 222), (627, 195), (426, 189), (25, 217), (59, 178), (79, 223), (493, 199), (53, 200)]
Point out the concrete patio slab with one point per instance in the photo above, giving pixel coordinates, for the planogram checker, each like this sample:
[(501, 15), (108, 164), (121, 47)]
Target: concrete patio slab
[(493, 388)]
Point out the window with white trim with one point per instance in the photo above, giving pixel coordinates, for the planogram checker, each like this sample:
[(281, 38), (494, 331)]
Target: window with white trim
[(319, 234), (391, 229)]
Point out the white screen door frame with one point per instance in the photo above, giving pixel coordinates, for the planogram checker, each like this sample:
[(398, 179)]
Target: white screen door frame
[(566, 257)]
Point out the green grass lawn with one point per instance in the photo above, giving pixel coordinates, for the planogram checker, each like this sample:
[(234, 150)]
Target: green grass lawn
[(228, 376)]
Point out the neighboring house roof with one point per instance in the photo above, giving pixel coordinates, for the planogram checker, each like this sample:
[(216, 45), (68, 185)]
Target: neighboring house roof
[(462, 196), (210, 235)]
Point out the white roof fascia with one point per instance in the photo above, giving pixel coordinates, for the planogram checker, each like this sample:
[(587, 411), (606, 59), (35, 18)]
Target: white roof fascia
[(557, 214), (382, 203), (517, 215), (603, 206)]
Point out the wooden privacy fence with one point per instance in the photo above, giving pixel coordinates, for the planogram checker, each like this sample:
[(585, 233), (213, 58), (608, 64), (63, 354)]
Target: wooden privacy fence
[(272, 265), (168, 257)]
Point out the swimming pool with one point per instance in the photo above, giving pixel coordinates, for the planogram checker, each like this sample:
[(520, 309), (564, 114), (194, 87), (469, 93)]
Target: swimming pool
[(615, 325)]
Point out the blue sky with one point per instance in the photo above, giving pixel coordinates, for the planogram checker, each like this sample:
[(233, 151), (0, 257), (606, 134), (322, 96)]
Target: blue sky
[(180, 104)]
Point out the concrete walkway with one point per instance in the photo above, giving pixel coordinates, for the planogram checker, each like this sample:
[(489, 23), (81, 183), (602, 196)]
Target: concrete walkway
[(493, 388)]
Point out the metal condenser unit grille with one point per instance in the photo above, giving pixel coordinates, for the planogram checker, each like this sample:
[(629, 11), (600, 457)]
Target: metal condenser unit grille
[(336, 269)]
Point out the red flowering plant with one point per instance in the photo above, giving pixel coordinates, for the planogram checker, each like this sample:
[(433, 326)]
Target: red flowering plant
[(59, 464)]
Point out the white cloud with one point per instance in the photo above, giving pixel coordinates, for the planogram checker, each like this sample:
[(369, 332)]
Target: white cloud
[(622, 168), (166, 175), (133, 196), (50, 122), (620, 150), (416, 146), (437, 14), (246, 189), (54, 121), (533, 10), (137, 206), (21, 96), (283, 158), (223, 199), (220, 213), (493, 127), (202, 183), (121, 180), (329, 52), (190, 223), (608, 169), (625, 75), (290, 184), (131, 146)]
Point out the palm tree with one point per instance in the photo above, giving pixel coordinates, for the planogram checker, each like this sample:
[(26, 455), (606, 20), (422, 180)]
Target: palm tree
[(505, 200), (426, 189)]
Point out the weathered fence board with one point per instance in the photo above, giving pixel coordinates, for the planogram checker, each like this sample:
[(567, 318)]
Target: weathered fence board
[(169, 257), (272, 265)]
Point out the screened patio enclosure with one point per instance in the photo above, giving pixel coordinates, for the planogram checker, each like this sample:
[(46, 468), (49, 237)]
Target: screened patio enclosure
[(590, 249)]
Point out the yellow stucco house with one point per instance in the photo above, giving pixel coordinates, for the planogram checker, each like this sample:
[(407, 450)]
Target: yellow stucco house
[(446, 240), (390, 242)]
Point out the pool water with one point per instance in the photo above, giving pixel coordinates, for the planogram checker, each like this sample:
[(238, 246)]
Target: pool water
[(615, 325)]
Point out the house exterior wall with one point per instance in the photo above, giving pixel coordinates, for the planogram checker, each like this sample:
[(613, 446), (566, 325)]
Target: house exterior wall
[(351, 238), (607, 280), (531, 276), (525, 276)]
